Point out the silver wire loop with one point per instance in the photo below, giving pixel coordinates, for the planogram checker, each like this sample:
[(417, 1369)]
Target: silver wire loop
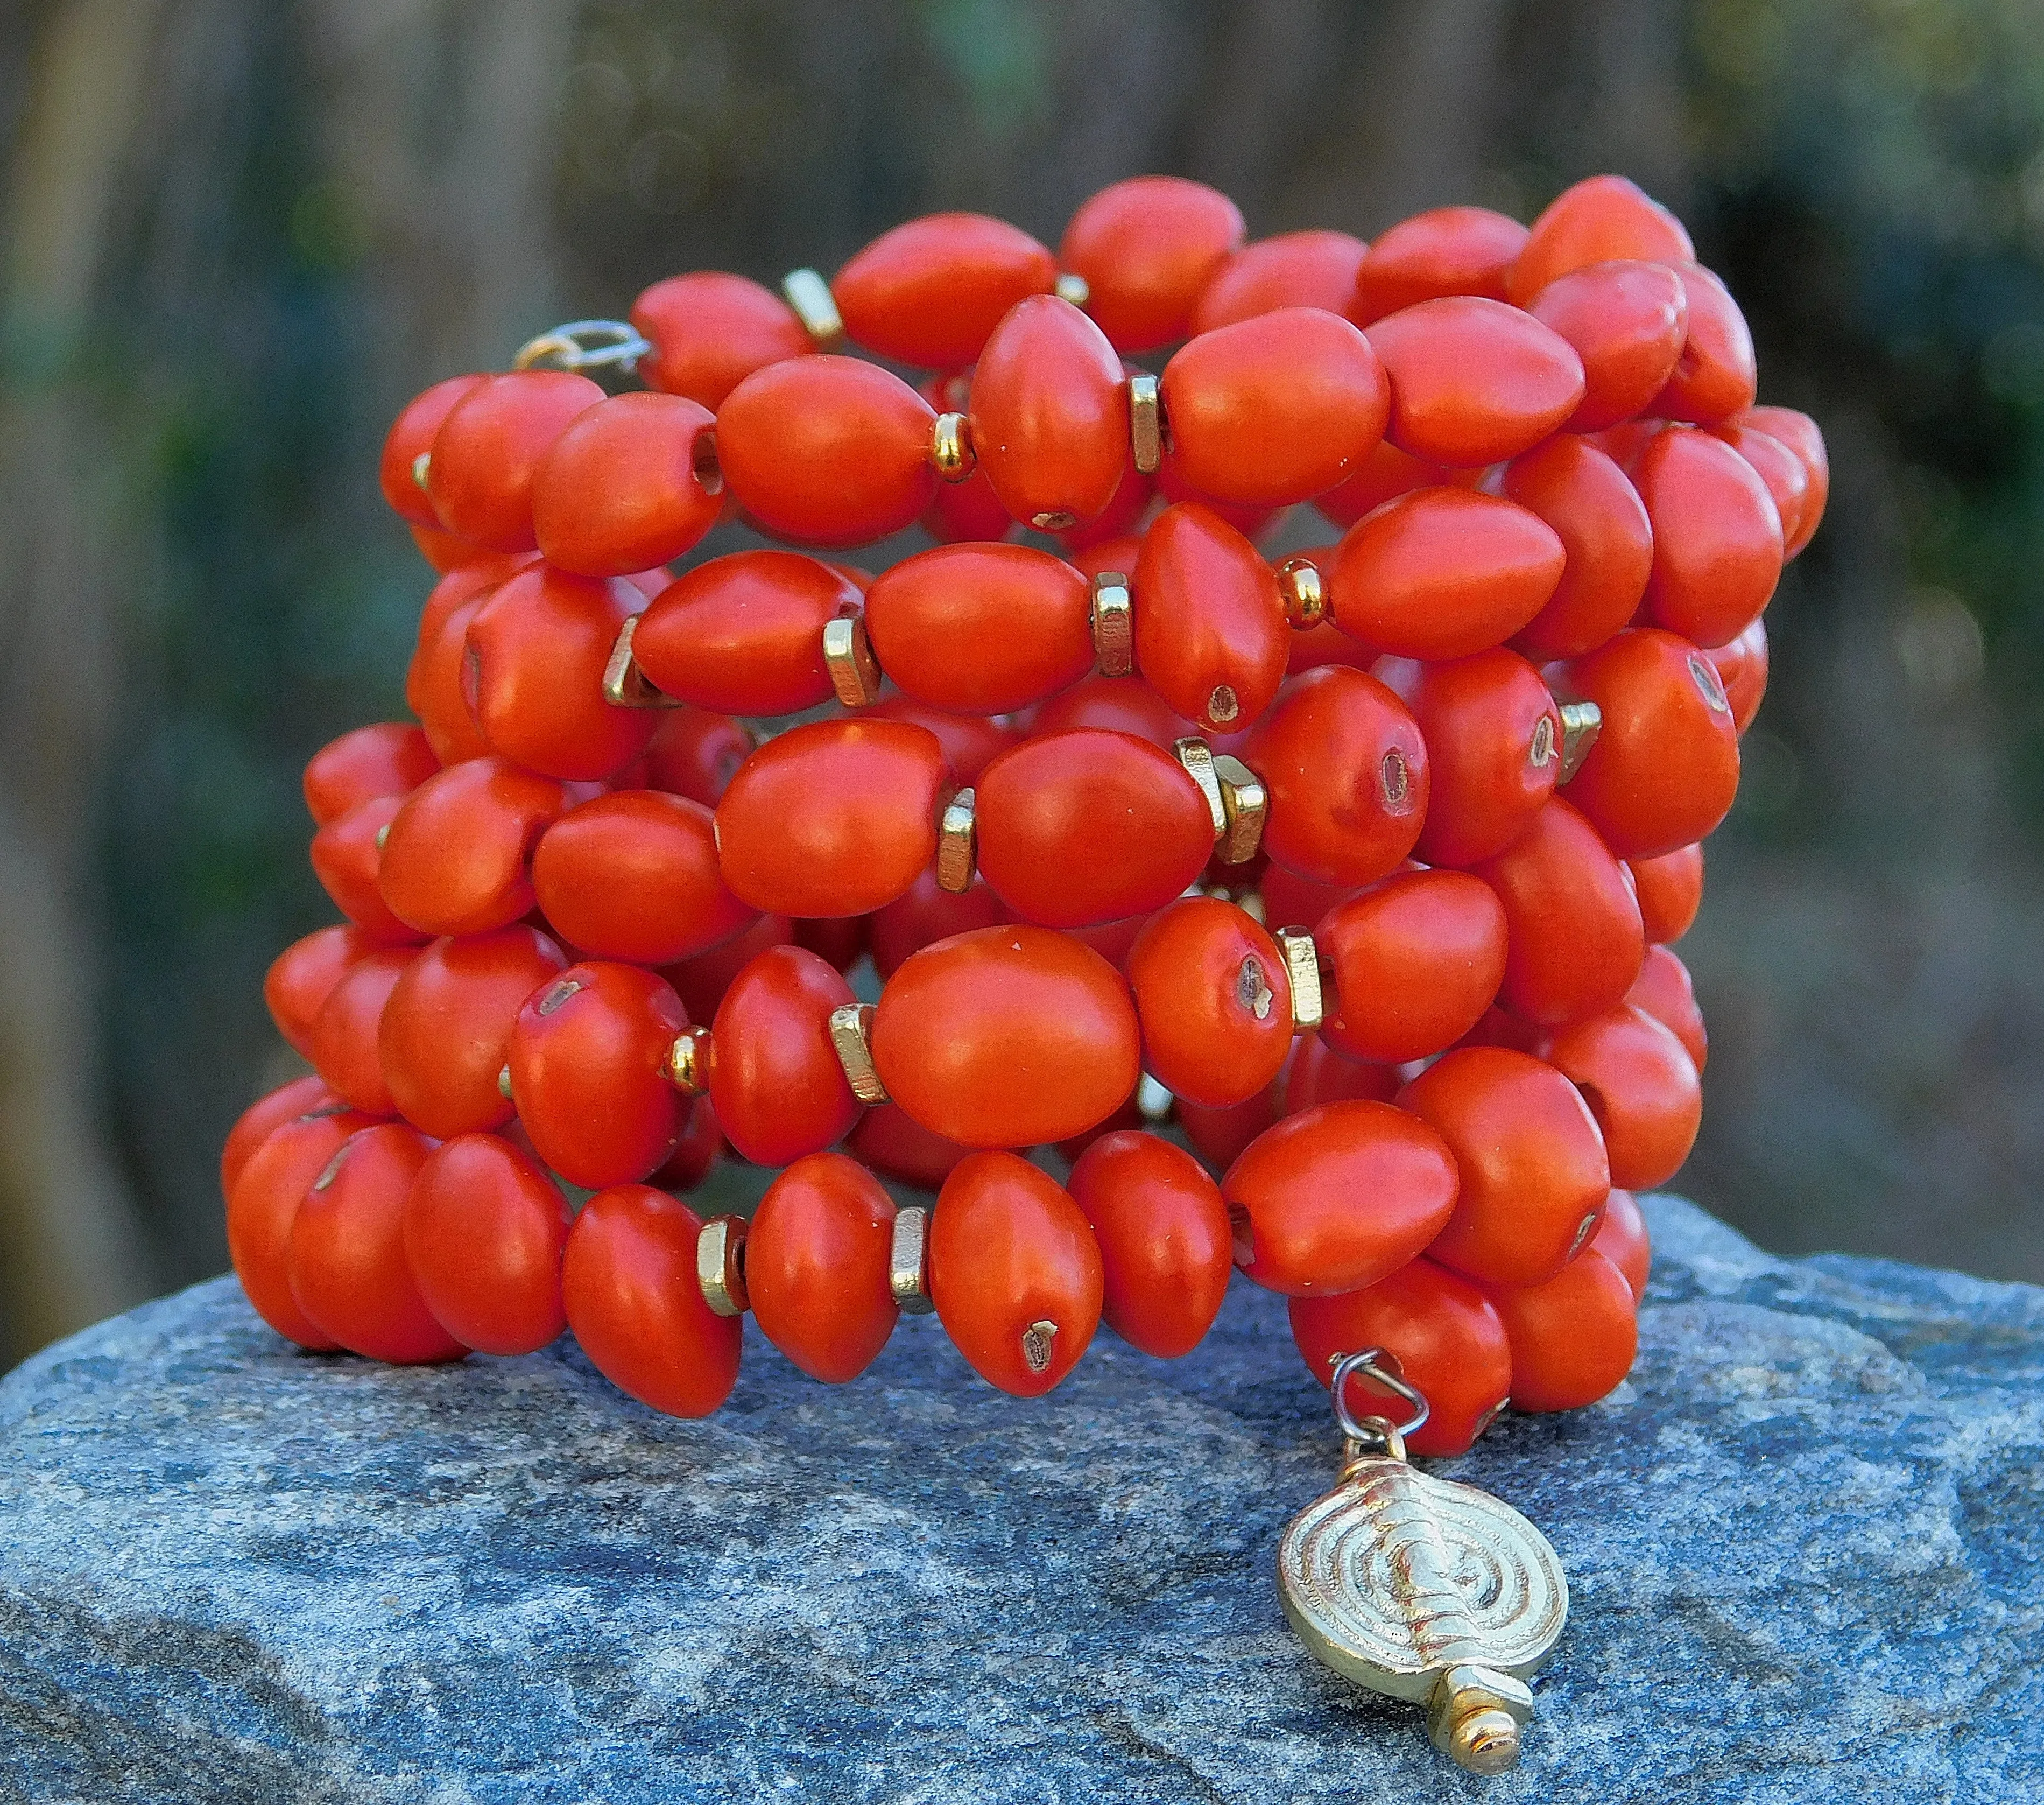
[(1382, 1368), (584, 344)]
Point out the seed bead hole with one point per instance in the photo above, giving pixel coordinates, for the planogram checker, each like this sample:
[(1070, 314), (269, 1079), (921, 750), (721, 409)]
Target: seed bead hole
[(1395, 778)]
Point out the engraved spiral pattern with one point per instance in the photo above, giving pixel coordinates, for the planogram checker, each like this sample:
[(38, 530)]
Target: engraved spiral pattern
[(1395, 1576)]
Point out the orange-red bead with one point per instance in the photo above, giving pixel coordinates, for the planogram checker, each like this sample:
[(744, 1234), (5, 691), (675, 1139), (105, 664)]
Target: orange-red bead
[(455, 859), (1447, 251), (1473, 381), (1609, 546), (486, 454), (742, 634), (1627, 321), (622, 489), (929, 292), (1050, 415), (1642, 1086), (1148, 247), (1416, 961), (1573, 1338), (817, 1261), (774, 1076), (1214, 999), (1210, 631), (1166, 1246), (1598, 221), (1295, 269), (710, 330)]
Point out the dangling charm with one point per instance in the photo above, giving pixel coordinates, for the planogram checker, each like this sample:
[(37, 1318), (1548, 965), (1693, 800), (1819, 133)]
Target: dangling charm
[(1422, 1588)]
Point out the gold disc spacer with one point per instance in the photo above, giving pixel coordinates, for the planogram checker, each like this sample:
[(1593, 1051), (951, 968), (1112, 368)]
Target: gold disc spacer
[(721, 1265), (686, 1066), (815, 306), (1581, 722), (951, 447), (1245, 804), (625, 684), (1302, 966), (851, 1031), (1113, 620), (957, 842), (1146, 423), (1198, 758), (1304, 593), (906, 1259), (855, 672)]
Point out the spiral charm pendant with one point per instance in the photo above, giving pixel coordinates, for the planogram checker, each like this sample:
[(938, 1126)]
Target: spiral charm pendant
[(1429, 1590)]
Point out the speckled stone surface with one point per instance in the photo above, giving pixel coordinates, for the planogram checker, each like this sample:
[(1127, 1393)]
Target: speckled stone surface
[(1804, 1541)]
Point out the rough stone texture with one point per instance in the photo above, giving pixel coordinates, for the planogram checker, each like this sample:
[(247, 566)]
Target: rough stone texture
[(1803, 1540)]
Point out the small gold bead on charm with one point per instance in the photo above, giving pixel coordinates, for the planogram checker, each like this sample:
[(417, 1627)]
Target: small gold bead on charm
[(855, 672), (1304, 593), (957, 842), (625, 684), (1245, 803), (1146, 423), (1074, 289), (1302, 966), (1113, 625), (1581, 722), (1197, 757), (851, 1025), (905, 1261), (951, 447), (721, 1265), (810, 296), (686, 1066)]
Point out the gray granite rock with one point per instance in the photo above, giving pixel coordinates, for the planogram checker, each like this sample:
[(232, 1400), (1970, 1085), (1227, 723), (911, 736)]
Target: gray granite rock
[(1804, 1542)]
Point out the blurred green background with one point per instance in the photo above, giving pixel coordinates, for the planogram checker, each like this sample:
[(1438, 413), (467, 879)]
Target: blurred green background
[(238, 233)]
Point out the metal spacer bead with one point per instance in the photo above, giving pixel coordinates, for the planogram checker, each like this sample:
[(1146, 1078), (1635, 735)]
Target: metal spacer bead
[(1153, 1102), (1113, 625), (422, 467), (1197, 757), (855, 672), (958, 843), (1304, 595), (720, 1265), (1581, 722), (686, 1066), (815, 306), (504, 1083), (850, 1025), (905, 1261), (1246, 804), (1146, 423), (625, 684), (1302, 966), (951, 447), (1074, 289)]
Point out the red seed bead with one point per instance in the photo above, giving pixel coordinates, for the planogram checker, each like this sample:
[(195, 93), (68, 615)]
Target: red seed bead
[(1573, 1338), (1473, 381), (438, 686), (1147, 247), (1165, 1247), (744, 634), (1715, 377), (1787, 479), (1663, 990), (833, 818), (1441, 573), (1576, 938), (971, 510), (484, 1230), (587, 1055), (1670, 889), (1621, 1238), (1007, 1037), (1448, 1341), (701, 982), (694, 1153), (1717, 538), (347, 1261), (622, 489), (817, 1265), (1335, 1198), (827, 451), (1601, 220), (1210, 632), (1446, 251), (1214, 999), (1346, 774), (302, 1097), (1642, 1086), (893, 1142), (1491, 764), (389, 759), (980, 629), (971, 741), (1607, 544), (1120, 705), (1627, 321), (1219, 1136), (343, 1044), (1014, 1273), (929, 292), (263, 1203), (1276, 409), (1534, 1173), (1089, 826), (1295, 269), (774, 1076), (488, 449), (1742, 668), (1121, 520), (471, 583), (442, 1036), (628, 1283), (300, 976), (1319, 1073), (441, 549), (634, 875), (411, 435), (926, 913), (1290, 901), (1800, 434), (709, 331), (1050, 415), (537, 650), (696, 752), (1384, 475), (346, 854), (838, 940), (454, 861), (1416, 959)]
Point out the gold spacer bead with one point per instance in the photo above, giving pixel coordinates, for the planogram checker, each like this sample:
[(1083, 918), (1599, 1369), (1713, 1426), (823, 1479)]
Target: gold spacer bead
[(504, 1083), (850, 1027), (815, 305), (422, 466), (625, 684), (905, 1276), (957, 842), (951, 447), (1074, 290), (1302, 966), (855, 672), (1305, 595), (1113, 621), (721, 1265), (1246, 804), (1581, 722), (1197, 757), (1153, 1102), (1146, 423), (686, 1066)]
